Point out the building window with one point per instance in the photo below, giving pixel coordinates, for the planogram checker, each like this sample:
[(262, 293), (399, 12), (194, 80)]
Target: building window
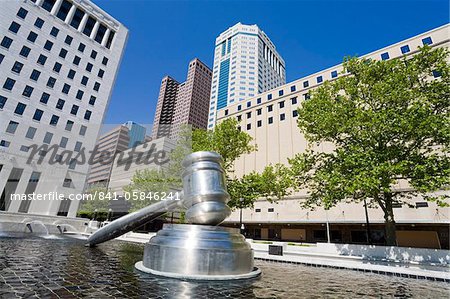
[(48, 138), (63, 53), (87, 115), (54, 32), (89, 26), (4, 143), (89, 67), (12, 127), (92, 101), (9, 84), (17, 67), (57, 67), (64, 10), (110, 39), (76, 19), (100, 33), (427, 41), (249, 115), (84, 80), (319, 79), (42, 59), (305, 84), (74, 110), (281, 104), (76, 60), (81, 47), (306, 96), (44, 98), (39, 23), (258, 101), (30, 133), (22, 13), (48, 5), (48, 45), (105, 61), (280, 92), (71, 74), (54, 120), (436, 74), (14, 27), (270, 210), (25, 51), (258, 111), (83, 130), (294, 100), (69, 125), (239, 108), (404, 49), (63, 142), (259, 123), (66, 88), (294, 113), (293, 88), (27, 91), (38, 114), (282, 116), (385, 56), (334, 74), (1, 58), (2, 101), (68, 40), (80, 94), (51, 82), (269, 96), (78, 146), (270, 120), (32, 36), (60, 104), (6, 42), (100, 73), (93, 54), (249, 126), (270, 108)]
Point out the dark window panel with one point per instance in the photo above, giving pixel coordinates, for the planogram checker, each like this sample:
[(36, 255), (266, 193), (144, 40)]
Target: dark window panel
[(89, 26), (77, 17), (64, 10)]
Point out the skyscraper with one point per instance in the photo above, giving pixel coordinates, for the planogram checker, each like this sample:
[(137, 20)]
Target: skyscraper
[(136, 133), (58, 60), (246, 63), (183, 103)]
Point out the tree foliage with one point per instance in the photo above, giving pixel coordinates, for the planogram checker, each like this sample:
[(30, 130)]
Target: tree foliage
[(388, 122), (97, 199)]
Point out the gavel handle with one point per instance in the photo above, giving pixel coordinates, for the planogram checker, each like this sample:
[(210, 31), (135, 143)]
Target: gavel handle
[(133, 220)]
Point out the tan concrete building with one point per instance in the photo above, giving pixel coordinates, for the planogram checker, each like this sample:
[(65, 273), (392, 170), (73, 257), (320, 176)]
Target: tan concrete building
[(271, 119), (184, 103), (108, 145)]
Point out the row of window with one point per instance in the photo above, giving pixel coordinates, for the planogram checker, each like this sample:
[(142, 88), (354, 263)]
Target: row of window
[(269, 120), (405, 49), (75, 22), (32, 36)]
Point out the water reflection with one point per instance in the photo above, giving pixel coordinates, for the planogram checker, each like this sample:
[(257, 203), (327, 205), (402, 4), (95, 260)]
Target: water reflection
[(65, 268)]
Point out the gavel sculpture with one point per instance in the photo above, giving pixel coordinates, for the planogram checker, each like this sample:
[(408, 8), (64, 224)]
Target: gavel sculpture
[(201, 249)]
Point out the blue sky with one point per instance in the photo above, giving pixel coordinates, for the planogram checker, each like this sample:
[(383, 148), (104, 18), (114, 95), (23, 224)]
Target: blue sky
[(310, 35)]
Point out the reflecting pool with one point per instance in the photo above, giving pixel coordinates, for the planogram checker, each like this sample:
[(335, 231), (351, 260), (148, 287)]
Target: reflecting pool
[(53, 267)]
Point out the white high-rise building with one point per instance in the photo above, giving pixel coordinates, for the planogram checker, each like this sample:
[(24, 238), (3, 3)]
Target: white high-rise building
[(246, 63), (58, 64)]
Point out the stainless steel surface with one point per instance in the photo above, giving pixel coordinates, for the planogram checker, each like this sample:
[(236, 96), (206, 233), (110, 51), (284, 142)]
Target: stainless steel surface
[(196, 250), (205, 196), (131, 221), (204, 189)]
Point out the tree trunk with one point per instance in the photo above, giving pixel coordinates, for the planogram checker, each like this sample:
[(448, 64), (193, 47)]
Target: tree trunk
[(391, 238)]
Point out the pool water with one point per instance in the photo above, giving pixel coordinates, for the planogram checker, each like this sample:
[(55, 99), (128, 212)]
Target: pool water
[(55, 267)]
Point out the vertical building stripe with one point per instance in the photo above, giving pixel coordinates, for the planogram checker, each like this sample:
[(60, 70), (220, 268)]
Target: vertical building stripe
[(222, 95)]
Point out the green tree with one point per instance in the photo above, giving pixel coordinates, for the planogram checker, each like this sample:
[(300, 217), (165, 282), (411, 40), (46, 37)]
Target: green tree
[(97, 199), (388, 122), (226, 139)]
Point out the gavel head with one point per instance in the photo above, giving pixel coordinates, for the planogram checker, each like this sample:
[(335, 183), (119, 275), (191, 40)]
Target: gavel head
[(204, 188)]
